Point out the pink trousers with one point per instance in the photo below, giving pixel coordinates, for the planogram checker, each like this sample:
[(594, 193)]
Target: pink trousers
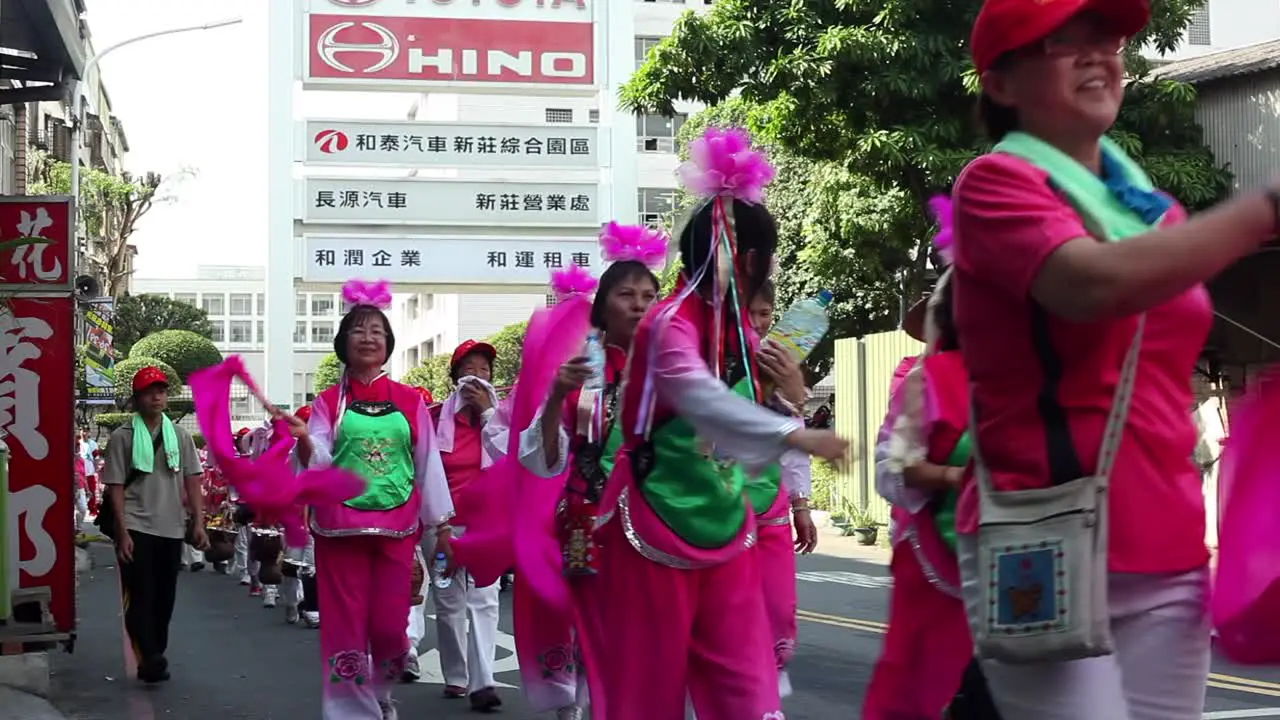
[(676, 635), (548, 648), (364, 583), (777, 552), (926, 648)]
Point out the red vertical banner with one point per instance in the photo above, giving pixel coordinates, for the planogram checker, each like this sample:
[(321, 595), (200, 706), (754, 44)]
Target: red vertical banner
[(43, 260), (37, 417)]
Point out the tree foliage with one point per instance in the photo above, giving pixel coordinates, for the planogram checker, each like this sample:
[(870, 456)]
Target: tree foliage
[(137, 316), (509, 342), (870, 105), (110, 208), (183, 350), (127, 368), (328, 373), (432, 374)]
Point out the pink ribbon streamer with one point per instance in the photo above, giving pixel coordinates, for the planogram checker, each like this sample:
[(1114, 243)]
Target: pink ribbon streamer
[(268, 482)]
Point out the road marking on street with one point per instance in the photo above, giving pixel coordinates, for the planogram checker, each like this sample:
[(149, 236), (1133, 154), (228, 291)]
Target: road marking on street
[(432, 670), (1248, 713), (1216, 680), (873, 582)]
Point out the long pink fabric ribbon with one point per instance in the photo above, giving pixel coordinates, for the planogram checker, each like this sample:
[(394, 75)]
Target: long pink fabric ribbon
[(268, 483)]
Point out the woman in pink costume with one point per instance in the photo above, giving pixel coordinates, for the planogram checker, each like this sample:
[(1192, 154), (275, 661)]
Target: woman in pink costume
[(678, 588), (920, 463), (574, 439), (364, 548), (781, 496)]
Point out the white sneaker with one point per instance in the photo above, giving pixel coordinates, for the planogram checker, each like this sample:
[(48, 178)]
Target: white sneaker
[(411, 672), (245, 579), (388, 709), (270, 596), (572, 712), (311, 619), (291, 614)]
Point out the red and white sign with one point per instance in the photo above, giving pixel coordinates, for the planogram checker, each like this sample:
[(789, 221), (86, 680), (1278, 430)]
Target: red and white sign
[(44, 227), (414, 53), (37, 400), (545, 10)]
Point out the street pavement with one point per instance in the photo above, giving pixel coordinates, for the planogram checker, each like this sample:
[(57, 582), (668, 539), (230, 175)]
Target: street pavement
[(233, 660)]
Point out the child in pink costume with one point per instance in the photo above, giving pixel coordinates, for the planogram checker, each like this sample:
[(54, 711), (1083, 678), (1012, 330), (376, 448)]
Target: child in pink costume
[(364, 548), (678, 589)]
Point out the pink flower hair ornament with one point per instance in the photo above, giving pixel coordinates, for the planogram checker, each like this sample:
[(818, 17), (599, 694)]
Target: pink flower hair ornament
[(573, 280), (375, 294), (635, 243), (944, 241), (722, 163)]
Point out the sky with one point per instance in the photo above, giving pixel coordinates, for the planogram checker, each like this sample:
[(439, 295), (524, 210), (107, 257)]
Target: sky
[(193, 101)]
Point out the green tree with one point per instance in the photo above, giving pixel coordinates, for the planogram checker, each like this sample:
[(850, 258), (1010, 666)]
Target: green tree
[(328, 373), (884, 92), (509, 342), (183, 350), (127, 368), (137, 316), (433, 374), (110, 208)]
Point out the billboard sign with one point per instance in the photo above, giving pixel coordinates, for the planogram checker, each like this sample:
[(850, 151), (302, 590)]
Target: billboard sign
[(543, 10), (470, 261), (100, 353), (471, 145), (413, 201), (35, 242), (412, 54)]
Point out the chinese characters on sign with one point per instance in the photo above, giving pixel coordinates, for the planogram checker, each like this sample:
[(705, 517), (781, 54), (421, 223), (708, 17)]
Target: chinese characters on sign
[(36, 419), (40, 228), (448, 261), (437, 202), (437, 144)]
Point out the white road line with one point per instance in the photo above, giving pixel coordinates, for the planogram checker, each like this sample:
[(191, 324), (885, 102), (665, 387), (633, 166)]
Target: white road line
[(846, 578), (1247, 713)]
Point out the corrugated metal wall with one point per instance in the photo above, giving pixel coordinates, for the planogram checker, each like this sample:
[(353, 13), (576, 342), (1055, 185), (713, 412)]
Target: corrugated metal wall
[(864, 368), (1241, 121)]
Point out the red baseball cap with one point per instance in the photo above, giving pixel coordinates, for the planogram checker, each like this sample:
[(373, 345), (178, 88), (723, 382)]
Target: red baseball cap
[(149, 376), (471, 346), (304, 413), (1006, 25)]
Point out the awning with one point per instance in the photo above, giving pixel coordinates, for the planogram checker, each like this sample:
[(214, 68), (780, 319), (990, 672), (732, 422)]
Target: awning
[(42, 49)]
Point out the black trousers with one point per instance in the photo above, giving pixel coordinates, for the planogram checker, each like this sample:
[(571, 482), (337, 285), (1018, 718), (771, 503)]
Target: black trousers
[(310, 594), (150, 585)]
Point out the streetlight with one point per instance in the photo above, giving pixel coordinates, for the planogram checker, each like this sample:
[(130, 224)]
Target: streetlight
[(77, 103)]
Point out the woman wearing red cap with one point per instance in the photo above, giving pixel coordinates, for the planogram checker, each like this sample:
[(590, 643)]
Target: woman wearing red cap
[(364, 548), (1081, 311), (472, 435)]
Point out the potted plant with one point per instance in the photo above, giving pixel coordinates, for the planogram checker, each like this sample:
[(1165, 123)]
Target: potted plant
[(864, 526)]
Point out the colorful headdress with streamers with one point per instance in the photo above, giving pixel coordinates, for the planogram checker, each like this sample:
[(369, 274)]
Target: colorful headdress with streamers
[(943, 242), (374, 294), (722, 163), (635, 243), (573, 280)]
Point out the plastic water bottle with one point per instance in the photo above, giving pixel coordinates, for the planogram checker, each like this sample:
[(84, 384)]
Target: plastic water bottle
[(442, 564), (802, 326), (594, 352)]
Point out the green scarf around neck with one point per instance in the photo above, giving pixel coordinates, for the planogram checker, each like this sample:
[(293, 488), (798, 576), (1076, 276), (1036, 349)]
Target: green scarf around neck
[(1086, 191), (144, 456)]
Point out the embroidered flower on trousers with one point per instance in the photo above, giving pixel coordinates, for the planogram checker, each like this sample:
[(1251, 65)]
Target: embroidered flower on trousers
[(347, 666), (558, 659)]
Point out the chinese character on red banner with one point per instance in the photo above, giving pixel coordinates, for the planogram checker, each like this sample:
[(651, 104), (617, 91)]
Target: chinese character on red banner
[(37, 400), (46, 224)]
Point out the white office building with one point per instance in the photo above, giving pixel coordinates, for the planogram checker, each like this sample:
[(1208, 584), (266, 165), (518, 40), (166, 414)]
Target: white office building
[(234, 298), (431, 324), (1227, 25)]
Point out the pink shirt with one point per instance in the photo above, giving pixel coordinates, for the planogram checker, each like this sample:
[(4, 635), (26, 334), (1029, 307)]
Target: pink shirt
[(1008, 221)]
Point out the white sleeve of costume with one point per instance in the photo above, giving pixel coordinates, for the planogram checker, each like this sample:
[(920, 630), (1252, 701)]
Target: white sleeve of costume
[(737, 427), (532, 456), (495, 433), (437, 502), (320, 429), (797, 470), (901, 444)]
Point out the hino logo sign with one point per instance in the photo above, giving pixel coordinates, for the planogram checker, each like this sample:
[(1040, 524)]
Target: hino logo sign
[(425, 51)]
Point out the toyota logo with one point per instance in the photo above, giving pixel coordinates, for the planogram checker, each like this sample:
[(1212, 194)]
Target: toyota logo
[(331, 141), (387, 49)]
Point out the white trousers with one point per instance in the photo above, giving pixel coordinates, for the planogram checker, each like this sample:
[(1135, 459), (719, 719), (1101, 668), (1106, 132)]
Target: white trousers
[(418, 613), (291, 587), (465, 664), (190, 555), (1160, 625)]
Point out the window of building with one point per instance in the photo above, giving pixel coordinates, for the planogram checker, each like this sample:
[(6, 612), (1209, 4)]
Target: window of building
[(643, 46), (219, 331), (300, 304), (188, 298), (300, 332), (213, 304), (655, 204), (241, 331), (551, 300), (657, 133), (1199, 32), (593, 116), (429, 302), (559, 115), (241, 304), (429, 348), (669, 2), (321, 332), (262, 331), (262, 304), (322, 305)]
